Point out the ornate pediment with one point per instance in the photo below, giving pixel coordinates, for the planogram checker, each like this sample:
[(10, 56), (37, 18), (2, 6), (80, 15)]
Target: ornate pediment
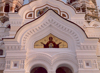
[(52, 23)]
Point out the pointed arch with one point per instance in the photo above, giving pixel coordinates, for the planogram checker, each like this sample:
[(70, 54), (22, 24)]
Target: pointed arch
[(52, 23)]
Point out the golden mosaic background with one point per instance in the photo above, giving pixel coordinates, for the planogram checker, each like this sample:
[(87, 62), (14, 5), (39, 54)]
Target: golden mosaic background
[(46, 39)]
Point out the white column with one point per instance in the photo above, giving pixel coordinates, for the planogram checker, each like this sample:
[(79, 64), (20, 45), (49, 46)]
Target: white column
[(51, 71), (27, 72)]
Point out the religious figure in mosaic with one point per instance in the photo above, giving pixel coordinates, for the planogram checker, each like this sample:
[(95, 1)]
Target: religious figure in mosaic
[(41, 11), (51, 44), (50, 41)]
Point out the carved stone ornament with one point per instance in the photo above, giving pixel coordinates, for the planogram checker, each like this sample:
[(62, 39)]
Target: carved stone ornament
[(4, 19)]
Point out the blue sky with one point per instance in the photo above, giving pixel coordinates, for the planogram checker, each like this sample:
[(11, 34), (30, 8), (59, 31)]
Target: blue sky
[(98, 2)]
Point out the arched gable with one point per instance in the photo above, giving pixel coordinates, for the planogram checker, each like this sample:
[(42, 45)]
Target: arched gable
[(40, 3), (52, 23)]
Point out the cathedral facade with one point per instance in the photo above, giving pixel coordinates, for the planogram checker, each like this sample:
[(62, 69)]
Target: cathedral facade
[(49, 36)]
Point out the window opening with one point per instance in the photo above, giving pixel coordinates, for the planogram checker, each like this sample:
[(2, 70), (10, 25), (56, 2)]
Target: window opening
[(6, 7), (1, 52)]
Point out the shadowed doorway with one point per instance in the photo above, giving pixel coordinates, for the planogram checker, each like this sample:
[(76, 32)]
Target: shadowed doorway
[(38, 70), (63, 70)]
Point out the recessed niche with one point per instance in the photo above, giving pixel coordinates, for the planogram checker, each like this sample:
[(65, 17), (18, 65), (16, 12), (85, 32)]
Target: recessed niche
[(29, 15), (15, 64), (88, 64)]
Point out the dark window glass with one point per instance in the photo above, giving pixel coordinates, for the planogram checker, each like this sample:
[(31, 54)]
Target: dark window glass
[(6, 7), (63, 70), (38, 70), (1, 52), (9, 26)]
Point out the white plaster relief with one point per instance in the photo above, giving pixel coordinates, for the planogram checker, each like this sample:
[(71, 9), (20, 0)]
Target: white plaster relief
[(88, 47), (95, 64), (22, 62), (8, 63), (80, 62), (50, 62), (50, 22), (2, 66), (13, 47)]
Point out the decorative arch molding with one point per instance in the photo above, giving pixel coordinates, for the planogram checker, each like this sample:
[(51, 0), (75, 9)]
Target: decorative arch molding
[(38, 70), (67, 60), (36, 64), (41, 56), (51, 62), (68, 64), (45, 8), (39, 59), (35, 4), (54, 31), (63, 56), (53, 23), (51, 20)]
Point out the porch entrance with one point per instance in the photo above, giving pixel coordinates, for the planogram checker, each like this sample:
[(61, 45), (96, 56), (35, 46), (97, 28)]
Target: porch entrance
[(38, 70), (63, 70)]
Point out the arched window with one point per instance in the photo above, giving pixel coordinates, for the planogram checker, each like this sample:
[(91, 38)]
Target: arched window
[(6, 7), (63, 70), (1, 52), (38, 70), (64, 15), (30, 15)]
